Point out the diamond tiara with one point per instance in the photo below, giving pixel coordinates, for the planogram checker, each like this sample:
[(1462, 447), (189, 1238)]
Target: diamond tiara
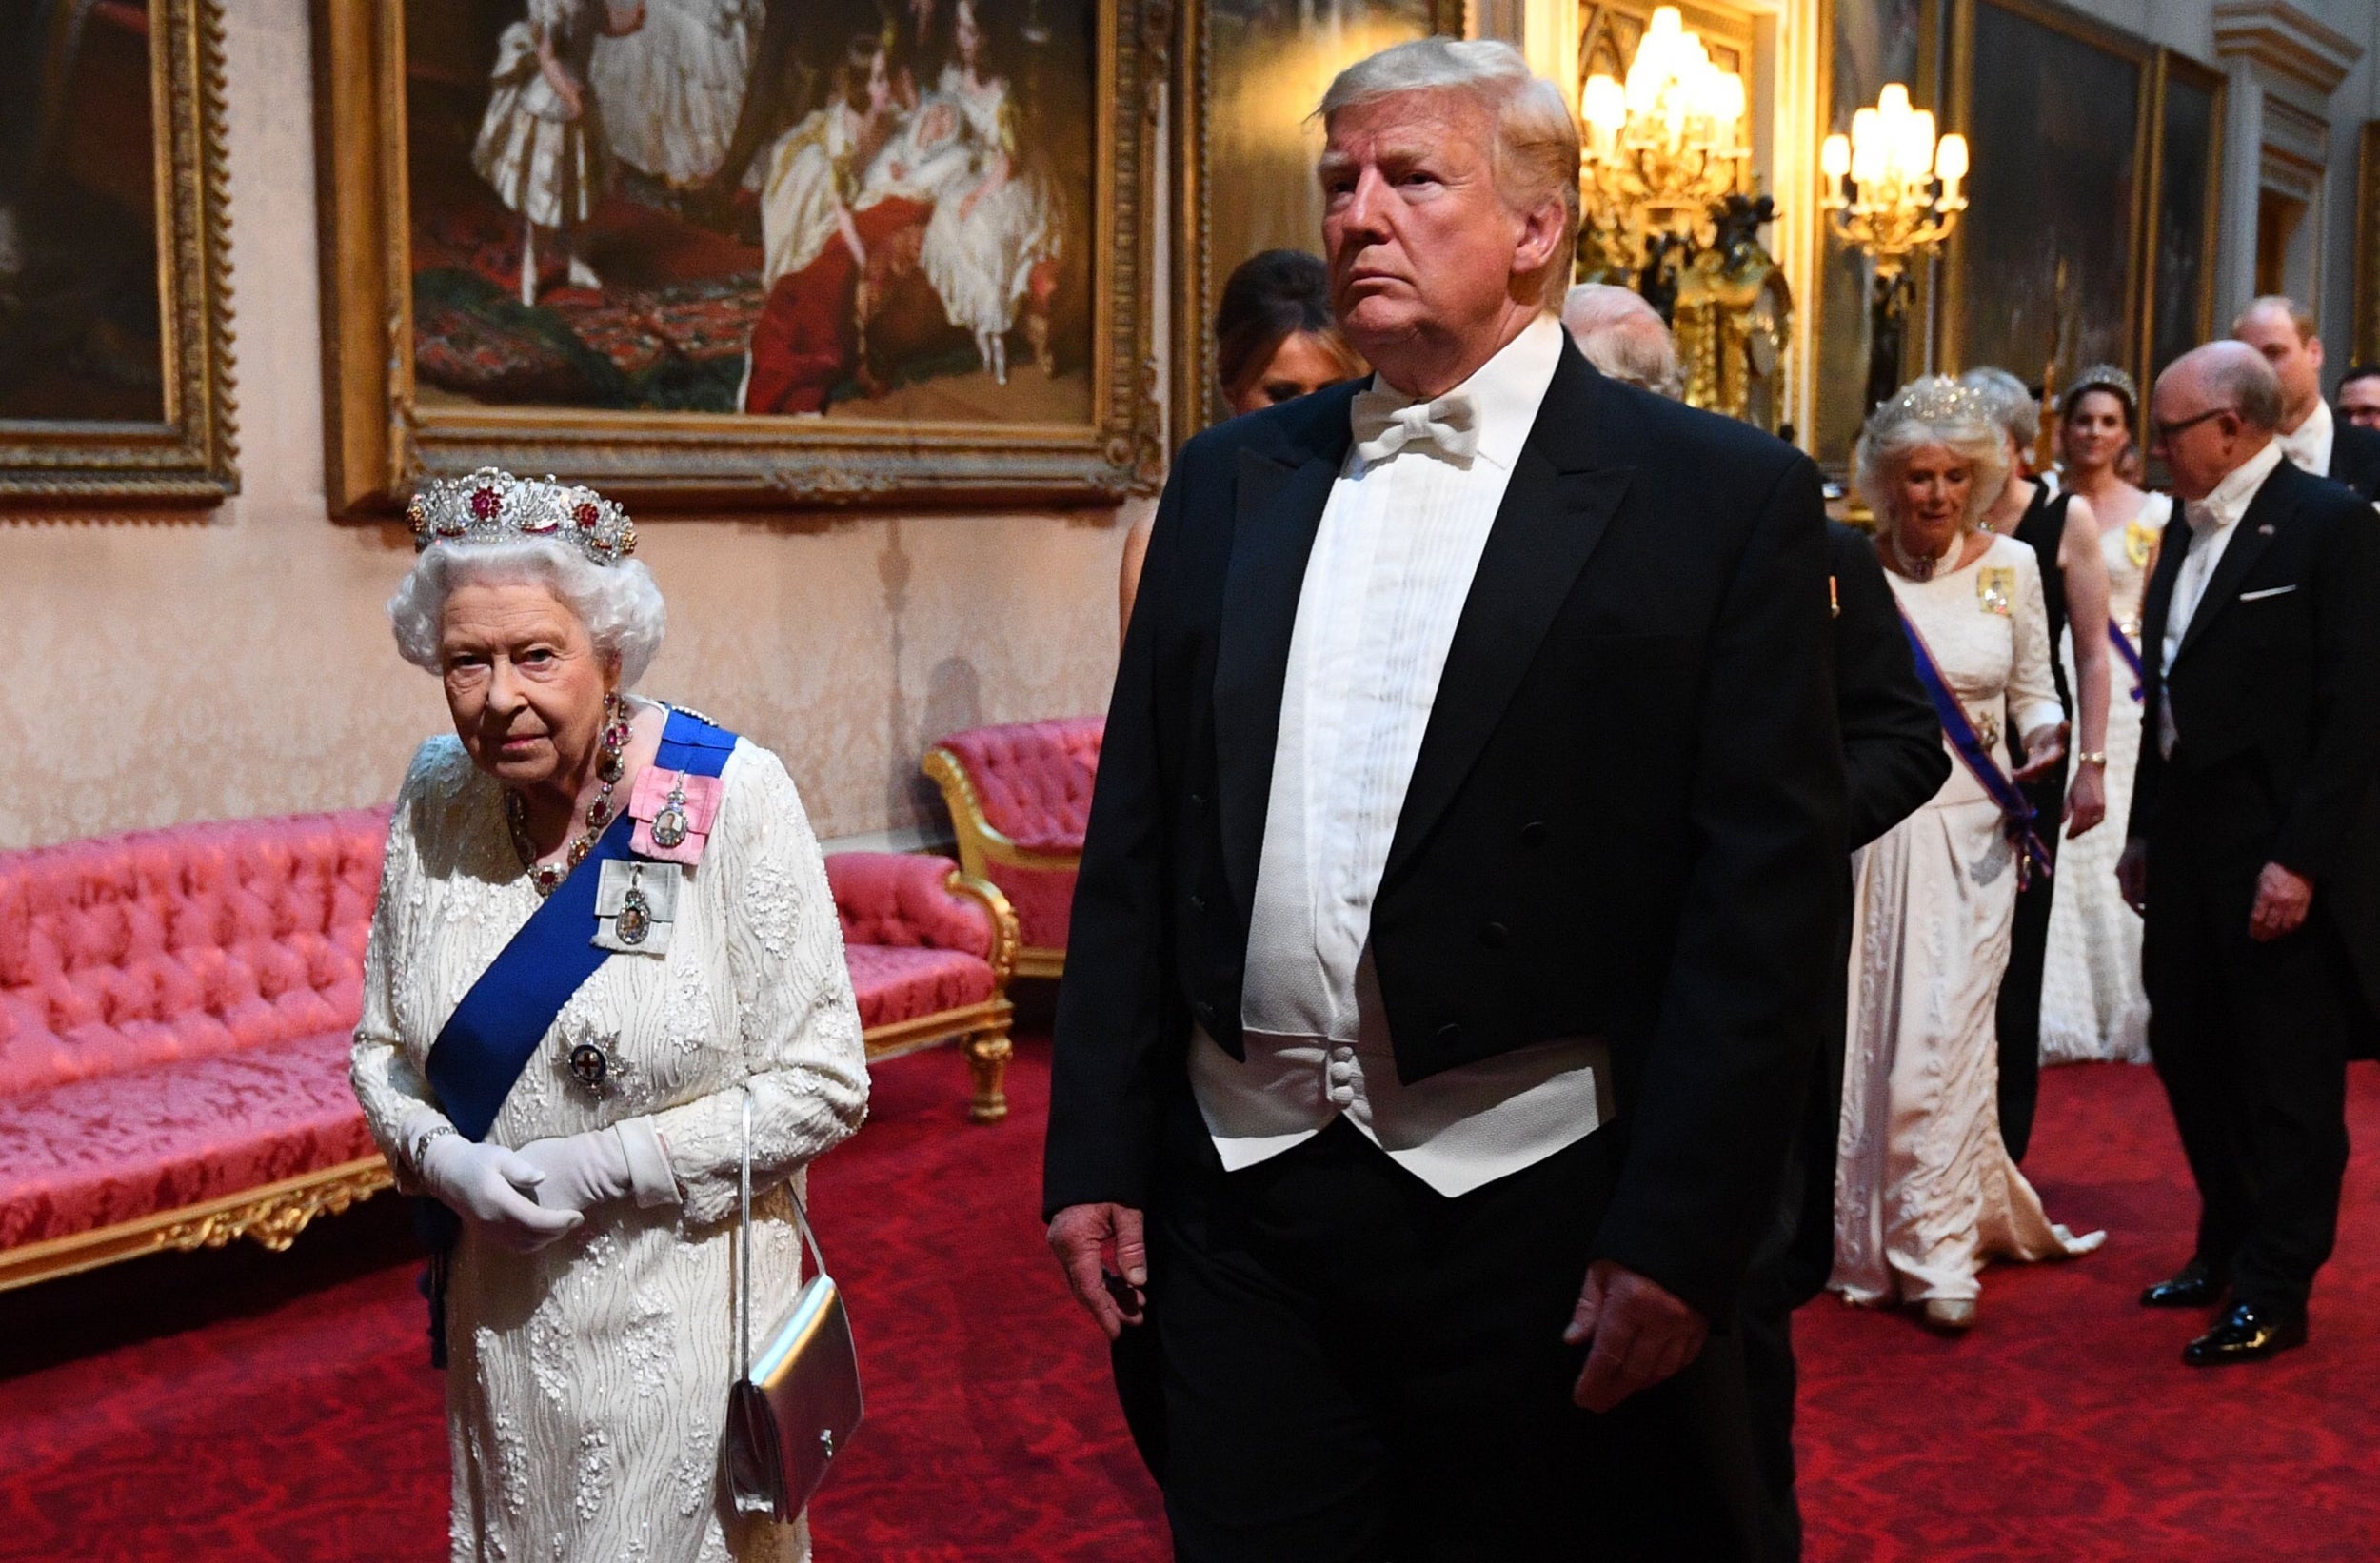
[(490, 505), (1938, 399)]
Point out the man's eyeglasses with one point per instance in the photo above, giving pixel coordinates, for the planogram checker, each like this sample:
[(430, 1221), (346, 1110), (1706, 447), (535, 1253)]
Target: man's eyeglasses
[(2167, 433)]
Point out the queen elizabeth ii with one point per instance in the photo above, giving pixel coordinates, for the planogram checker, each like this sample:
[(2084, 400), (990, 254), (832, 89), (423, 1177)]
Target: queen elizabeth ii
[(603, 922)]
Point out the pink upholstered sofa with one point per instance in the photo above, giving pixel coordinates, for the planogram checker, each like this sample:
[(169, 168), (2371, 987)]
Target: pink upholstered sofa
[(930, 951), (1019, 798), (176, 1008)]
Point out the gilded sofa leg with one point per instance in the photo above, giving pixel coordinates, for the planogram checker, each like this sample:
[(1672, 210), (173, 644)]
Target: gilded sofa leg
[(987, 1061)]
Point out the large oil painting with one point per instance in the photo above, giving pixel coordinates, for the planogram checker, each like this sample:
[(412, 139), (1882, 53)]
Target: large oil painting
[(2044, 264), (115, 353), (1252, 73), (754, 249), (2181, 299)]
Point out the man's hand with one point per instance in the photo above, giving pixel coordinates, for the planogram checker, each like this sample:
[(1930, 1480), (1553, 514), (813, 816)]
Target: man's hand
[(2282, 902), (2131, 875), (1643, 1334), (1083, 1237)]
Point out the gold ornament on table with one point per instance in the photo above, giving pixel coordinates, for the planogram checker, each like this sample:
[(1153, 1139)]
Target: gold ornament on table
[(1662, 147), (1892, 187)]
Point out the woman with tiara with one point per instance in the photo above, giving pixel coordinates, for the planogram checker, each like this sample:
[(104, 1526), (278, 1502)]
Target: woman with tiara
[(989, 245), (1925, 1192), (2093, 1006)]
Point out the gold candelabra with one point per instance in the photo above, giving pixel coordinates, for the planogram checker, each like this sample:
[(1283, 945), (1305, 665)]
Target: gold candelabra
[(1662, 147), (1892, 187)]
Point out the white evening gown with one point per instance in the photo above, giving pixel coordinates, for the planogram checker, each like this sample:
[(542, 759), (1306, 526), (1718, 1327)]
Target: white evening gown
[(1925, 1192), (980, 264), (587, 1384), (2093, 1005), (671, 90)]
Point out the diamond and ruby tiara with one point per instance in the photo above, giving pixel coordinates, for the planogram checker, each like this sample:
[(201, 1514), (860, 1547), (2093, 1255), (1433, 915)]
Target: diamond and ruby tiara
[(492, 505)]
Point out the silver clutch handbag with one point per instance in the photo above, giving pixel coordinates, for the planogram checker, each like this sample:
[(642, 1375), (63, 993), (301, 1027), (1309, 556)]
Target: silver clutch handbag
[(797, 1404)]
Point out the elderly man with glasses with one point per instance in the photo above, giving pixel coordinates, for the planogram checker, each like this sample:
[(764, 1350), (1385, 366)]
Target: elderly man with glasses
[(2250, 852)]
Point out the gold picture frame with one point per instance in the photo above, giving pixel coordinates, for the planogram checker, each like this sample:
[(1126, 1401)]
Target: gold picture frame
[(382, 436), (1195, 398), (181, 450)]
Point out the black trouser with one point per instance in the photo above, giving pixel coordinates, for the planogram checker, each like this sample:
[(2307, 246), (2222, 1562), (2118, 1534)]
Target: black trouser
[(1355, 1367), (2248, 1039), (2019, 1014)]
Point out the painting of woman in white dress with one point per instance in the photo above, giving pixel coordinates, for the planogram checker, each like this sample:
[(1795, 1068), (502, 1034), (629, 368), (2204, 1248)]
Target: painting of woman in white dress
[(991, 251), (637, 205)]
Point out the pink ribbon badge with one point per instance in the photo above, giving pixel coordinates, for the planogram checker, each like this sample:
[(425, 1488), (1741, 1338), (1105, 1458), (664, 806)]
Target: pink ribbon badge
[(674, 812)]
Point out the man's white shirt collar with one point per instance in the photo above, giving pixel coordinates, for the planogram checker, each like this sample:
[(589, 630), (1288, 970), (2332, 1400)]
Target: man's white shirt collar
[(2309, 446), (2235, 494), (1506, 391)]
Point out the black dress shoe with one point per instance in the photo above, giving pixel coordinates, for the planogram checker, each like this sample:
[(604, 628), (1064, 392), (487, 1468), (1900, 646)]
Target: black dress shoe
[(2247, 1333), (2193, 1288)]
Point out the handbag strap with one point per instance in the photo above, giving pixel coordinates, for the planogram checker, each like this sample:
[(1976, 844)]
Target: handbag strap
[(743, 1244)]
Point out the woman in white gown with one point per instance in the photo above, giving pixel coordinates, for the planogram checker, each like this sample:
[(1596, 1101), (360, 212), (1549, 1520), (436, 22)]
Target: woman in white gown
[(1926, 1193), (989, 235), (672, 90), (589, 1304), (814, 181), (2093, 1005)]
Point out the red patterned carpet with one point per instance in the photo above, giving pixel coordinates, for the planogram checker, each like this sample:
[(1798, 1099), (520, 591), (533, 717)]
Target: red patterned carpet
[(240, 1406)]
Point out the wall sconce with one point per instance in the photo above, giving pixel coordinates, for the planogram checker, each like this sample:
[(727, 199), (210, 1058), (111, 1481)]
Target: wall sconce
[(1892, 193)]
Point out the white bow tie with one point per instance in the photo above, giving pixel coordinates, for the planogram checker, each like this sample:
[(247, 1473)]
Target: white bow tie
[(1385, 423)]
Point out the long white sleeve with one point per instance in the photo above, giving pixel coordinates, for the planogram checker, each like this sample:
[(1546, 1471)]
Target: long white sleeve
[(2033, 702)]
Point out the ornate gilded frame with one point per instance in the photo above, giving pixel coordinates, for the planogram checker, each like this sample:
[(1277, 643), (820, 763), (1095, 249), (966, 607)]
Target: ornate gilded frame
[(191, 456), (1193, 346), (2367, 342), (379, 443)]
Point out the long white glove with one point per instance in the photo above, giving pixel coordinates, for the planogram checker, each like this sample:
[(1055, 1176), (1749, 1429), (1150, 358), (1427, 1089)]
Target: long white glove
[(585, 1171), (495, 1190)]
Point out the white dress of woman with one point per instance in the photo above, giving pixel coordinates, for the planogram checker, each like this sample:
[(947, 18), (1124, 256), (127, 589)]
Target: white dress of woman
[(813, 184), (672, 90), (985, 238), (1925, 1190), (587, 1382), (2093, 1005)]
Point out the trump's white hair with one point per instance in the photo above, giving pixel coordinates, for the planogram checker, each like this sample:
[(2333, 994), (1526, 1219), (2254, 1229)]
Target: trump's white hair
[(620, 604), (1535, 152)]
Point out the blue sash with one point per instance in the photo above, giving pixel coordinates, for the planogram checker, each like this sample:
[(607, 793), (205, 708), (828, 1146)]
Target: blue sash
[(2131, 654), (2032, 857), (503, 1021)]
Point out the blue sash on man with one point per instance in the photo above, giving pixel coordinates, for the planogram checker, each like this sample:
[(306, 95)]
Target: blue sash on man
[(503, 1021), (2033, 855)]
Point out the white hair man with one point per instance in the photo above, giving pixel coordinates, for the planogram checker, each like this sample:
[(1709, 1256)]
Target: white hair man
[(2283, 330), (1422, 1171), (1623, 336), (2243, 852)]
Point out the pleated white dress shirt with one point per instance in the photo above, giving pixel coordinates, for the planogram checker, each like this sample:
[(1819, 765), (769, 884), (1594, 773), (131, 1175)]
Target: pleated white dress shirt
[(1400, 540), (2211, 522)]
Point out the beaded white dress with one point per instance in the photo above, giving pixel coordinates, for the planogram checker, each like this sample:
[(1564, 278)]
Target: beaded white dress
[(1925, 1190), (587, 1385), (2093, 1005)]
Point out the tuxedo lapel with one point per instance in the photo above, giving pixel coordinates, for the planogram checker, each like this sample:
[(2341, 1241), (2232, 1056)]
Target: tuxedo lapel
[(1280, 500), (2252, 535), (1554, 513)]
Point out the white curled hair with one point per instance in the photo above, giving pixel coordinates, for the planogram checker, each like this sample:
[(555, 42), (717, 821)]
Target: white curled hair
[(1624, 336), (1536, 155), (620, 604), (2010, 404), (1936, 410)]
